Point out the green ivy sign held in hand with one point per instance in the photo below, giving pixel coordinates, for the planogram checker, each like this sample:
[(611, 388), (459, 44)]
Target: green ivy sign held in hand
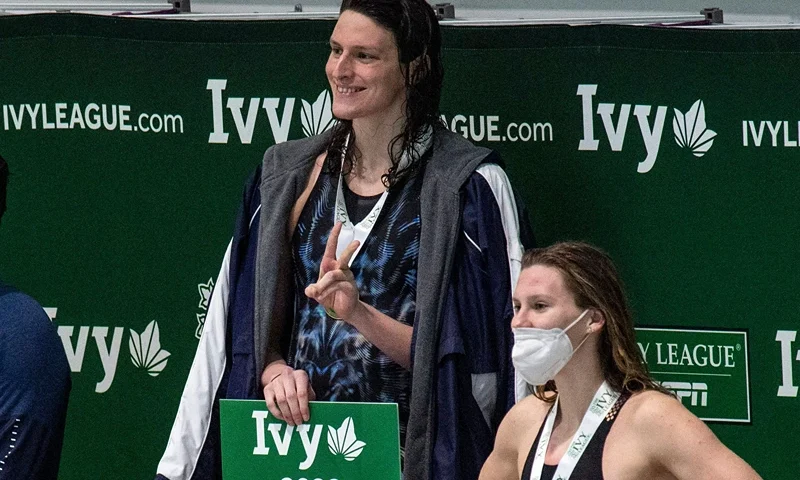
[(362, 439)]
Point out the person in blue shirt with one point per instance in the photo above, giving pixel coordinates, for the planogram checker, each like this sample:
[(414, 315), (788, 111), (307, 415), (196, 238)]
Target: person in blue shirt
[(34, 382)]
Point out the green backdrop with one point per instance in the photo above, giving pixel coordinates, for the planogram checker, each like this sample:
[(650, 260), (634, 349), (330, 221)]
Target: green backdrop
[(117, 222)]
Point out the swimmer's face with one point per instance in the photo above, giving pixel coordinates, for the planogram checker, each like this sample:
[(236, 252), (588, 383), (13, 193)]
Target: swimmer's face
[(364, 71), (542, 300)]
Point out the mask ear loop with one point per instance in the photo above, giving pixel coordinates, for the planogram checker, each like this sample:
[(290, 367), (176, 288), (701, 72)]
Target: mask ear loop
[(582, 342), (577, 319), (585, 337)]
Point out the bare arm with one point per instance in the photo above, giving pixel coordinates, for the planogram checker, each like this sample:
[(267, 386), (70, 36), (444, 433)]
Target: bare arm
[(683, 445), (513, 440), (390, 336), (336, 290), (502, 462), (287, 391)]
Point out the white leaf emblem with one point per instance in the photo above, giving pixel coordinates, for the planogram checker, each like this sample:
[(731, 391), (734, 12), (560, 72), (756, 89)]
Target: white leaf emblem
[(201, 322), (318, 117), (342, 441), (204, 289), (690, 130), (205, 293), (146, 350)]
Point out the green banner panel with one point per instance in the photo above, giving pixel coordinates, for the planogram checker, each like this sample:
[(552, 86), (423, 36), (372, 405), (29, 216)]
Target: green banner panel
[(676, 150), (707, 369), (342, 440)]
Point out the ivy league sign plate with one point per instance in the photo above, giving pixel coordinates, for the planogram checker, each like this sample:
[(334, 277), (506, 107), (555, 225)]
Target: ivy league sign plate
[(341, 441)]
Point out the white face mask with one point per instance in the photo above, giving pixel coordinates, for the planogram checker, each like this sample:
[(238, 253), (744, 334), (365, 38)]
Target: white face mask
[(539, 354)]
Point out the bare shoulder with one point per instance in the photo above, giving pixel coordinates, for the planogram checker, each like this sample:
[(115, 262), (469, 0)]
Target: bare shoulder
[(320, 161), (644, 420), (652, 417), (528, 411), (303, 198), (651, 407), (514, 438), (652, 411), (672, 439), (522, 422)]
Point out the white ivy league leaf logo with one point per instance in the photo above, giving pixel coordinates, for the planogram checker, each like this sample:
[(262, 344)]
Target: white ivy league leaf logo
[(204, 289), (318, 117), (343, 441), (146, 350), (690, 129)]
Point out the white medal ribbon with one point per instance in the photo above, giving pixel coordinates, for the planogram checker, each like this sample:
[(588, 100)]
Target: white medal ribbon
[(603, 400), (362, 230), (352, 232)]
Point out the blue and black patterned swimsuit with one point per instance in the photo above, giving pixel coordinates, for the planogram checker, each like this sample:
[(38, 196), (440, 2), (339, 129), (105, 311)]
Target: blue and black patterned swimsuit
[(341, 364)]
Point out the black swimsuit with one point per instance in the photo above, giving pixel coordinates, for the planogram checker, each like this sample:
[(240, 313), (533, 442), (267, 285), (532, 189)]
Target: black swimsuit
[(590, 465)]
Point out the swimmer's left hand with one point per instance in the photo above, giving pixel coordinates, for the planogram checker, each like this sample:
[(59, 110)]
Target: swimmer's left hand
[(336, 288)]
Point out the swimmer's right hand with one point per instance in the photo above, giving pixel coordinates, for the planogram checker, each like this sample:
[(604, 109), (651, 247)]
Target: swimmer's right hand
[(287, 395)]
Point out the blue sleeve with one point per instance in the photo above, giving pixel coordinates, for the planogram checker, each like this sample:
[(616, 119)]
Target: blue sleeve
[(240, 379), (199, 454), (475, 375), (243, 380), (34, 390)]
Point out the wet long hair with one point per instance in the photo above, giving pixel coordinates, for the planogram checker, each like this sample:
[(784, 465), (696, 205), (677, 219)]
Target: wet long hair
[(590, 275), (415, 29)]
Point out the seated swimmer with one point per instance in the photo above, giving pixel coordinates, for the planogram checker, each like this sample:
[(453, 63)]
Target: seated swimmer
[(595, 412)]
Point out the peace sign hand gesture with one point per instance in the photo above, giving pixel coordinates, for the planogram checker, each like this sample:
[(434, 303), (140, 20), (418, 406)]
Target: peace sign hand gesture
[(336, 289)]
